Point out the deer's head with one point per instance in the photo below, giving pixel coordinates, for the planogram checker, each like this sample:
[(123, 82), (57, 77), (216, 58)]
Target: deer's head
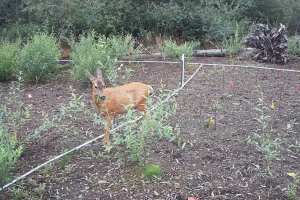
[(97, 84)]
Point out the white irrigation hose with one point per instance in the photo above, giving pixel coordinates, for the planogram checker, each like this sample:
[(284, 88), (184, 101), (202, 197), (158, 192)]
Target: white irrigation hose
[(244, 66), (204, 64), (86, 143), (49, 161), (211, 64)]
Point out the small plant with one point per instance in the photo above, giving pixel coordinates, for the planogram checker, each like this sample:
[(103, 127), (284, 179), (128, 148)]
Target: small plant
[(127, 74), (292, 187), (91, 152), (39, 58), (40, 190), (8, 52), (137, 138), (63, 162), (263, 117), (263, 140), (172, 50), (217, 107), (207, 125), (11, 123), (9, 153), (19, 194), (152, 171)]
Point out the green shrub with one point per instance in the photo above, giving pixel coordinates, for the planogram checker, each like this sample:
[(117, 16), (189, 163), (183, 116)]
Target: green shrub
[(9, 151), (121, 46), (91, 52), (16, 31), (8, 53), (138, 138), (39, 57), (293, 46), (172, 50)]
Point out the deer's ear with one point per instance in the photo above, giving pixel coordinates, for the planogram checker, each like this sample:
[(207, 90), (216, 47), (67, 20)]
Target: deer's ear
[(99, 72), (87, 73)]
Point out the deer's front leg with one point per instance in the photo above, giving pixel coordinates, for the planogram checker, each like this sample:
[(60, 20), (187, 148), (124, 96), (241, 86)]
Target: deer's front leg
[(109, 119)]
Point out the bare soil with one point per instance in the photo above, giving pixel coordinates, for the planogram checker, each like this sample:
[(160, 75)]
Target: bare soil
[(216, 162)]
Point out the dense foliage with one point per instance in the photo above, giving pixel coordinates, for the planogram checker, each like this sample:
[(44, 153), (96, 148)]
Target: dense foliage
[(38, 57), (93, 51), (8, 53), (198, 20)]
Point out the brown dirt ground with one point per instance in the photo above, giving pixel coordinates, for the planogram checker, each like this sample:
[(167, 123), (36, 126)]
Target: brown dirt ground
[(215, 163)]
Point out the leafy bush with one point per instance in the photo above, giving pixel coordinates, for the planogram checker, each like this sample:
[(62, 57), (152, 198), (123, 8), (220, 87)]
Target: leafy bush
[(16, 31), (121, 46), (293, 46), (203, 20), (91, 52), (39, 57), (9, 150), (189, 20), (171, 50), (8, 53)]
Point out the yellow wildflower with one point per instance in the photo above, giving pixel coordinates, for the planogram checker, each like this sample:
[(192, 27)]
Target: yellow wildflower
[(211, 120), (292, 174), (272, 106)]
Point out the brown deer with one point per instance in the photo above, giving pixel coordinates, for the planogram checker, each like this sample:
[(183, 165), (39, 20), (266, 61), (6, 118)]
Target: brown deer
[(117, 100)]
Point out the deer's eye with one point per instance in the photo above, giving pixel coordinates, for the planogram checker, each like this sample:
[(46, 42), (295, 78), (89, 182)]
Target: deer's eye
[(96, 87)]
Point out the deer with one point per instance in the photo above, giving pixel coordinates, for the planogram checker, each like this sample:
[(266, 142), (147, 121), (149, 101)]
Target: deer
[(117, 100)]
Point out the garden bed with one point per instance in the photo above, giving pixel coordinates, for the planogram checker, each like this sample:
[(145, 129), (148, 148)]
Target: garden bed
[(216, 162)]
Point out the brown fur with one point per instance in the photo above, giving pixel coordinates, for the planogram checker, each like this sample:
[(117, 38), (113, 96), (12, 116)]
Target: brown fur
[(117, 99)]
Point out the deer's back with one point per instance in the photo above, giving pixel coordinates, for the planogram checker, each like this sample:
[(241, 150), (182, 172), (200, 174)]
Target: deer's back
[(126, 96)]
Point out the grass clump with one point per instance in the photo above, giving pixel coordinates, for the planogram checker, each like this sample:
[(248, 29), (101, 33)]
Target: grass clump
[(39, 57), (8, 52), (171, 50), (152, 171)]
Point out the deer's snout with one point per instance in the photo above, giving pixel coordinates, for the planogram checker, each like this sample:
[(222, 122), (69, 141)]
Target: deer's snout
[(102, 98)]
